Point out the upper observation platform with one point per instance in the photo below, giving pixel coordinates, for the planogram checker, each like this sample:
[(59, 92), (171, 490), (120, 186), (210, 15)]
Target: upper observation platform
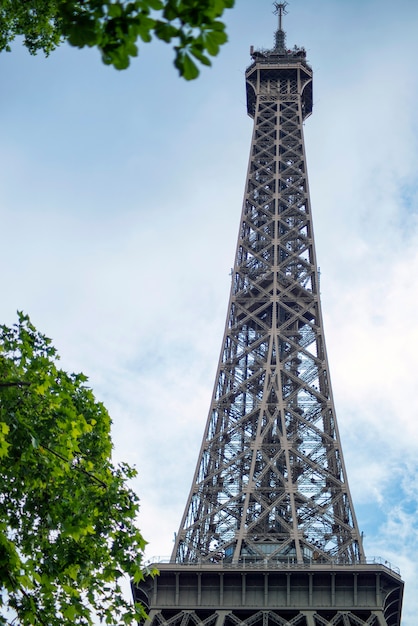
[(280, 73)]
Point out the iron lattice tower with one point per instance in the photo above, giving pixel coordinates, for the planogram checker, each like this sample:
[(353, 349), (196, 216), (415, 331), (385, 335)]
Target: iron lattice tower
[(269, 534)]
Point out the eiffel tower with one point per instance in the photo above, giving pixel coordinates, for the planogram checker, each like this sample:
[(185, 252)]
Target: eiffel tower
[(269, 536)]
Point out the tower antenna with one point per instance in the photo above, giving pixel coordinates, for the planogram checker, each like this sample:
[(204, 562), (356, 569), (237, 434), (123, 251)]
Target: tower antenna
[(280, 10)]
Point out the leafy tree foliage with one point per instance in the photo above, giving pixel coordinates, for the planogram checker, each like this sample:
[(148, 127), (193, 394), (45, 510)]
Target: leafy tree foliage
[(115, 26), (67, 517)]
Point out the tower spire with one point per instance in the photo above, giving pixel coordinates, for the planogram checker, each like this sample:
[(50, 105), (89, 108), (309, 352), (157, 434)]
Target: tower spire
[(280, 37)]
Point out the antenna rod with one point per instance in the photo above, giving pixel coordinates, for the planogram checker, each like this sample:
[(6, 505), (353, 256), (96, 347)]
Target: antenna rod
[(280, 10)]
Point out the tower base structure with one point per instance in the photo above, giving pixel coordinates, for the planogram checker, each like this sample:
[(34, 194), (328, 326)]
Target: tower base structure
[(254, 594)]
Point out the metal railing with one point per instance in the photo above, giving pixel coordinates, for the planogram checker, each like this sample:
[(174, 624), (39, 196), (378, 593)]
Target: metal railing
[(290, 563)]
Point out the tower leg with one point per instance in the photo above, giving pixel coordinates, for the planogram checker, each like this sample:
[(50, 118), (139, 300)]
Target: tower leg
[(220, 620), (309, 618), (381, 619)]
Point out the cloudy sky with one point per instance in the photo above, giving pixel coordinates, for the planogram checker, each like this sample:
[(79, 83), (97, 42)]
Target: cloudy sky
[(120, 198)]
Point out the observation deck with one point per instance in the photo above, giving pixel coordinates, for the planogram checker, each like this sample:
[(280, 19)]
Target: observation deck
[(215, 591), (279, 74)]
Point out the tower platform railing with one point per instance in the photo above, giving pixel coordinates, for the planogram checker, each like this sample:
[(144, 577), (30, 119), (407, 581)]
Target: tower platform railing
[(264, 564)]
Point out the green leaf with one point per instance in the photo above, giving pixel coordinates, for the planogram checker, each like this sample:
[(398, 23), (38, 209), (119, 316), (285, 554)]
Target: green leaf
[(165, 31), (189, 68), (213, 41), (198, 54), (82, 34), (157, 5), (69, 611), (114, 10)]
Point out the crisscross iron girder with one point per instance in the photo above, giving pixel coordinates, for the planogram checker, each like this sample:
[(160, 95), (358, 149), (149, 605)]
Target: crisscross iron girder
[(270, 482), (271, 618)]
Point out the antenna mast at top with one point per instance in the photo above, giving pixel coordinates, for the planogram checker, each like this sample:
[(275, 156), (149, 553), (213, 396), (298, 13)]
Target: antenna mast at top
[(280, 10)]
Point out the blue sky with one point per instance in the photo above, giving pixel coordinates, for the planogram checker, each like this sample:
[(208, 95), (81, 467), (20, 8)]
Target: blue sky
[(120, 198)]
